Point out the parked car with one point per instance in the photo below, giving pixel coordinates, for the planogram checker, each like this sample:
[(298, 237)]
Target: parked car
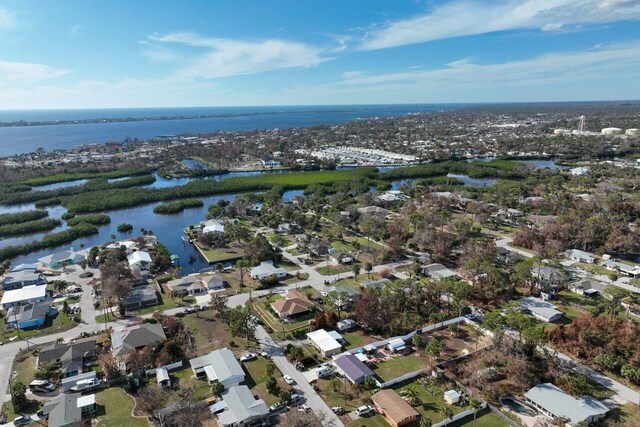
[(338, 410), (289, 380), (88, 384), (21, 420), (189, 309), (276, 407), (41, 386), (248, 356), (296, 399), (265, 355), (364, 410)]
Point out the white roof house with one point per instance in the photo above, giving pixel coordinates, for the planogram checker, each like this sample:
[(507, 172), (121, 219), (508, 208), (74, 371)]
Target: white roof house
[(213, 226), (541, 310), (451, 397), (579, 171), (25, 295), (241, 407), (219, 365), (265, 270), (557, 404), (396, 345), (325, 343), (439, 271), (580, 256), (139, 259)]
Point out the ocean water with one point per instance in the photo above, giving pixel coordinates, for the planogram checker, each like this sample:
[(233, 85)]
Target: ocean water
[(26, 139)]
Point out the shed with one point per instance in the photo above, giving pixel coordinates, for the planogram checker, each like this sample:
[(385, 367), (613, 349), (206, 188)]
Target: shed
[(163, 378), (396, 345), (451, 397), (346, 324)]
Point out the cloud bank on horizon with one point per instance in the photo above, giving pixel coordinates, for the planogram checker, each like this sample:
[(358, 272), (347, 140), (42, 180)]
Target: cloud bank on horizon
[(67, 56)]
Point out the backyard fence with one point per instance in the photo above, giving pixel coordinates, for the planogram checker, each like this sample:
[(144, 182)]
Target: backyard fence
[(169, 367)]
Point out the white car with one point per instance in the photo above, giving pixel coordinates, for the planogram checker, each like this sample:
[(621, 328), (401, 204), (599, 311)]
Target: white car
[(248, 356), (289, 380), (324, 293), (364, 410)]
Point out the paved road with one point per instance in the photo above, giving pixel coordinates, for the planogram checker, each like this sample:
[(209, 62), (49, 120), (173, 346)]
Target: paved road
[(315, 402)]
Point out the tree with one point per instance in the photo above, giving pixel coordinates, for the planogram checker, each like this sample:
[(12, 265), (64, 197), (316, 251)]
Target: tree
[(300, 419), (272, 385), (219, 306), (19, 396), (60, 286), (433, 349), (369, 384), (416, 341), (242, 322), (447, 413), (337, 300), (412, 393), (150, 400), (334, 384), (109, 366), (356, 270), (259, 249), (217, 388), (243, 265), (614, 297), (425, 421), (368, 268), (476, 405)]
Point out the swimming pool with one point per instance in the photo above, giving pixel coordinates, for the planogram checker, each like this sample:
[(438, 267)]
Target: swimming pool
[(517, 406)]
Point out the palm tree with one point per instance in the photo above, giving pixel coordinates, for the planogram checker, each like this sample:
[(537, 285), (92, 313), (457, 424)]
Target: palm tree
[(476, 405), (412, 393), (334, 384), (447, 413), (425, 421), (60, 286)]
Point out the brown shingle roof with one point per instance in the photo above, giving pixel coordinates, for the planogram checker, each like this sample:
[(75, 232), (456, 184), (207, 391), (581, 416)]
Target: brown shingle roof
[(293, 303), (394, 406)]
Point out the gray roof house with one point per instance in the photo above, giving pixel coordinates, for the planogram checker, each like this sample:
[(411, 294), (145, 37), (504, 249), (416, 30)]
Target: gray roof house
[(70, 357), (438, 271), (266, 269), (241, 408), (588, 287), (580, 256), (126, 342), (219, 365), (374, 283), (141, 296), (541, 310), (69, 409), (549, 277), (30, 315), (18, 279), (559, 405), (352, 368)]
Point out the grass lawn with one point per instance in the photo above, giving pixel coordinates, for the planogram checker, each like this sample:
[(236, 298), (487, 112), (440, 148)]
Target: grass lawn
[(24, 365), (595, 269), (342, 246), (346, 396), (211, 334), (330, 270), (256, 378), (32, 408), (622, 416), (398, 366), (356, 339), (274, 323), (577, 299), (114, 409), (186, 379), (484, 418), (214, 255), (167, 303), (59, 323), (432, 399)]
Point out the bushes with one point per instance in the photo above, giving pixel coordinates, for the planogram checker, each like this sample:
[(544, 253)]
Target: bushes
[(16, 218), (29, 227), (66, 177), (177, 207), (125, 228), (95, 219), (49, 241)]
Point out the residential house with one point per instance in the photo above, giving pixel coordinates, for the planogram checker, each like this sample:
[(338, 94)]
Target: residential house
[(580, 171), (588, 287), (20, 278), (70, 358), (255, 209), (141, 296), (352, 368), (70, 409), (241, 408), (267, 270), (219, 365), (25, 295), (559, 405), (346, 324), (541, 310), (374, 211), (140, 260), (318, 247), (394, 408), (22, 267), (352, 292), (438, 271), (629, 270), (392, 196), (549, 278), (213, 226), (580, 256), (293, 305), (374, 283), (325, 343), (126, 342), (340, 257), (30, 315), (61, 259), (188, 285), (284, 228), (212, 281)]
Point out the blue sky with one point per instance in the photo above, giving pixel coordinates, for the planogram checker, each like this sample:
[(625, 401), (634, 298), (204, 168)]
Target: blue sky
[(97, 54)]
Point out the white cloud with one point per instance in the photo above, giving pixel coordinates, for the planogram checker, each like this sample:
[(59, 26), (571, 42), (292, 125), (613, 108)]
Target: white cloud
[(472, 17), (465, 80), (352, 74), (226, 57), (7, 18), (22, 72)]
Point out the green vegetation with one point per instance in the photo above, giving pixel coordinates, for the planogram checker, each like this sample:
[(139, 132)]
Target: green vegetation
[(440, 180), (95, 219), (122, 198), (177, 207), (118, 408), (49, 241), (19, 217), (125, 228), (66, 177), (51, 197), (29, 227)]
